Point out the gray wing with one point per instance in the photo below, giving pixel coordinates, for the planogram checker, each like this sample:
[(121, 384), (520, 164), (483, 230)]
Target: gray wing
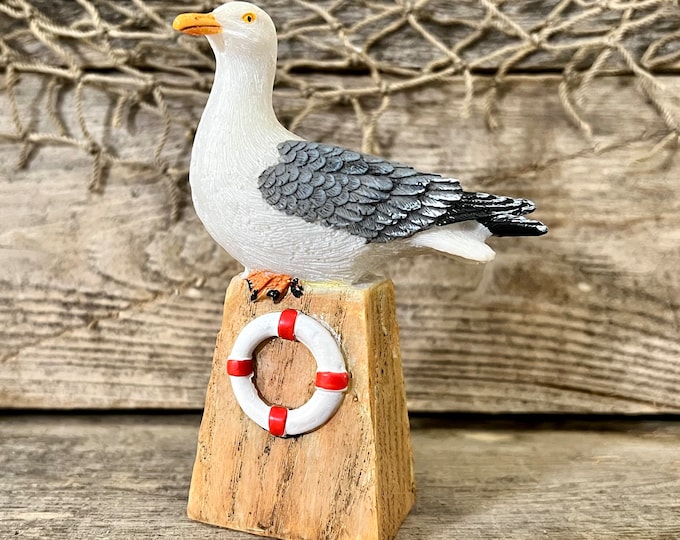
[(381, 200), (368, 196)]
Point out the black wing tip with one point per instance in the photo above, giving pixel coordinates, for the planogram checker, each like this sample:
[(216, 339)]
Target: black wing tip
[(516, 227), (528, 207)]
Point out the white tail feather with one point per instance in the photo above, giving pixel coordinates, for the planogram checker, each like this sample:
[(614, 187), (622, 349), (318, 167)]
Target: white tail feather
[(465, 239)]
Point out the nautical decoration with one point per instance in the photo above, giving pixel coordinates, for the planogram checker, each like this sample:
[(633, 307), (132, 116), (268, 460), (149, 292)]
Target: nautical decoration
[(300, 214), (331, 377), (290, 209)]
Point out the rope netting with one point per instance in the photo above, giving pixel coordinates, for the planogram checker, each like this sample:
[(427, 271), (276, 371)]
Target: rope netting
[(353, 53)]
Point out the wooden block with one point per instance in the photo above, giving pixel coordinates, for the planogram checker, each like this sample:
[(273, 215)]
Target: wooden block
[(352, 477)]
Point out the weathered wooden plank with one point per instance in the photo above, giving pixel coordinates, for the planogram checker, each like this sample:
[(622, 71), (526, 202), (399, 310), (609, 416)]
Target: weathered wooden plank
[(401, 36), (106, 302), (128, 477)]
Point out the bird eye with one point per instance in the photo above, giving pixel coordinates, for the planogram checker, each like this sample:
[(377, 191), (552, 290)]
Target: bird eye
[(249, 17)]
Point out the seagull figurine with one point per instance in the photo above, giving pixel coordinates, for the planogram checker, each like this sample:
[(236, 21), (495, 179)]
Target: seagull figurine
[(291, 210)]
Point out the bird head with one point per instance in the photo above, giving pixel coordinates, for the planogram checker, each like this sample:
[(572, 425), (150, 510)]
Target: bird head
[(235, 26)]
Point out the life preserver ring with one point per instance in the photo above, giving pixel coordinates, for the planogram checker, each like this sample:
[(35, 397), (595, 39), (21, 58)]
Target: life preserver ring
[(331, 380)]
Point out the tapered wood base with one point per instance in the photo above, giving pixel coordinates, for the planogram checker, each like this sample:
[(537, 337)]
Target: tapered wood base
[(350, 479)]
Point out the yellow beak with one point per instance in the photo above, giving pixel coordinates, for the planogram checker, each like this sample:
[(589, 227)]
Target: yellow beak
[(197, 24)]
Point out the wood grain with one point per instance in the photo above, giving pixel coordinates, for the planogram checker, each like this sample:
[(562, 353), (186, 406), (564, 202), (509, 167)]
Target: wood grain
[(106, 302), (152, 44), (127, 477), (246, 479)]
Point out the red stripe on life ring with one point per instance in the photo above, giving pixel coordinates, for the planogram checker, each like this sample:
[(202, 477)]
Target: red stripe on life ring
[(329, 380), (277, 420), (287, 324), (239, 368)]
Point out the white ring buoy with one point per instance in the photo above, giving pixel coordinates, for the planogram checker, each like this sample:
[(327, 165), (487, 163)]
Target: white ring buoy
[(331, 376)]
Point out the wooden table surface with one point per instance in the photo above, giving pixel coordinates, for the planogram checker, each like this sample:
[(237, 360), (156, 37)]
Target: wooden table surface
[(127, 476)]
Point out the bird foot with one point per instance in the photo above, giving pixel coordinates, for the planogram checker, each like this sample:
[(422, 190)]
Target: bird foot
[(270, 285)]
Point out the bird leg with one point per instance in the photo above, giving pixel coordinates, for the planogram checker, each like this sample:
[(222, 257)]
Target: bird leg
[(264, 284)]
